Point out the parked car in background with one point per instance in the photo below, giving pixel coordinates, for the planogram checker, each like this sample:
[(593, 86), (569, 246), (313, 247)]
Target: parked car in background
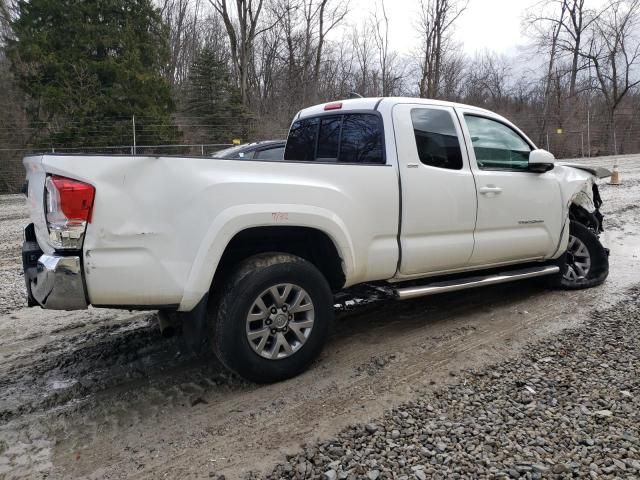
[(265, 150)]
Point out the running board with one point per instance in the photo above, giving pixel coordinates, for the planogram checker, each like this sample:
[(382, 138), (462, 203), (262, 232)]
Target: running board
[(474, 282)]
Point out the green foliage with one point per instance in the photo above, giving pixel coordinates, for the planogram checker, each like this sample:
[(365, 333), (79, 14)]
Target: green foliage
[(213, 98), (89, 65)]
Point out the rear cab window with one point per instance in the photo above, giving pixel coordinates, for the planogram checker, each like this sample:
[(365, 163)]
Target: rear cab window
[(348, 138), (301, 143)]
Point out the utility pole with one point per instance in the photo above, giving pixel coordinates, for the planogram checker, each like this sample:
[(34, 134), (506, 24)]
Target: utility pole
[(588, 131), (133, 121)]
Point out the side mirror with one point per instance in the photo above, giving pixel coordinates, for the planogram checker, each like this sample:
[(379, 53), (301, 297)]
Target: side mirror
[(541, 161)]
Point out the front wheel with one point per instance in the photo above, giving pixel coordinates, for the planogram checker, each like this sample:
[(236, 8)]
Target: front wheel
[(586, 262), (273, 317)]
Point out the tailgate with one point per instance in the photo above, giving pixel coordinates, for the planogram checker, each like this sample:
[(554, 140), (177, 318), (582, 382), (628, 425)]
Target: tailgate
[(36, 177)]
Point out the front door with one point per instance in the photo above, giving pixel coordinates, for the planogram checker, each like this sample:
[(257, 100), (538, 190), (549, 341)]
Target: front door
[(519, 211), (438, 190)]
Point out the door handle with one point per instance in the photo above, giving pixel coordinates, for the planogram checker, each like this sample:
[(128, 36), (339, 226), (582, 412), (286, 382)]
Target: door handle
[(490, 189)]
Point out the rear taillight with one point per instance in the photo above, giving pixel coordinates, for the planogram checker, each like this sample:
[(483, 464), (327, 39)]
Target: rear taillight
[(68, 206)]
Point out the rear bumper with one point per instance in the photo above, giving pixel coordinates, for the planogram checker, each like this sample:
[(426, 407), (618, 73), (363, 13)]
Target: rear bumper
[(53, 281)]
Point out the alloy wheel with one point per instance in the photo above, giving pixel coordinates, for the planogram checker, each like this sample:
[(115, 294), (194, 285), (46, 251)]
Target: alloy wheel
[(578, 260), (280, 321)]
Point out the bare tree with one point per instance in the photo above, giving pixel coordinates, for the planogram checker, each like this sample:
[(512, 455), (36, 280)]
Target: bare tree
[(487, 80), (363, 52), (265, 70), (338, 74), (549, 36), (560, 27), (453, 75), (389, 76), (182, 18), (306, 24), (242, 31), (436, 20), (577, 22), (614, 52), (329, 16)]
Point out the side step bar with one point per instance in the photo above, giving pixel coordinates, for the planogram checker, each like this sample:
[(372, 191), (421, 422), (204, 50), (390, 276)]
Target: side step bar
[(474, 282)]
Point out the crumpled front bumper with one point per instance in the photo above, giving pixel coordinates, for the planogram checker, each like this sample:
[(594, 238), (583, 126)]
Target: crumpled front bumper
[(53, 281)]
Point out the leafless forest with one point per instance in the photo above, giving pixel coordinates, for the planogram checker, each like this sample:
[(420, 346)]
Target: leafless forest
[(577, 93)]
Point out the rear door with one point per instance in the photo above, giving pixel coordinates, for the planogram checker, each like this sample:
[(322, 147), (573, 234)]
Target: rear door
[(519, 211), (438, 190)]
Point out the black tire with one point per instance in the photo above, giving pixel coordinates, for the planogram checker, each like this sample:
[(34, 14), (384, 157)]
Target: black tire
[(599, 261), (242, 287)]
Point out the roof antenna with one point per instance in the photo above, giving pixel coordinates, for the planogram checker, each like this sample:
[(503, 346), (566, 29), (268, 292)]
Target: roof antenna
[(355, 95)]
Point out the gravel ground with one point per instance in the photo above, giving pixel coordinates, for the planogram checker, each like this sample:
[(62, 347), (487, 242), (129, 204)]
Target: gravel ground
[(568, 407), (13, 214)]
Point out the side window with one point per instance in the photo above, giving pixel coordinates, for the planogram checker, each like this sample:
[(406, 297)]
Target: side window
[(361, 139), (436, 138), (301, 143), (276, 153), (496, 145)]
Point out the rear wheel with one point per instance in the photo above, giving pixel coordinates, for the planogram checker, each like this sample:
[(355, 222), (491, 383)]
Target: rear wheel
[(586, 263), (273, 317)]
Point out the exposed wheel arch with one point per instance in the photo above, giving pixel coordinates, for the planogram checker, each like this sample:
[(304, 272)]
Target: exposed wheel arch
[(581, 215), (312, 244)]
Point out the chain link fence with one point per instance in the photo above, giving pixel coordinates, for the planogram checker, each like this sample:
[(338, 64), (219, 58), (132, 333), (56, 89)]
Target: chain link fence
[(591, 143), (574, 143), (12, 171), (134, 136)]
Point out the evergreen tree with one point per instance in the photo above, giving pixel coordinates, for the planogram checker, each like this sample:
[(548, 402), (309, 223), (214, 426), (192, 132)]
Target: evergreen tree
[(214, 100), (88, 66)]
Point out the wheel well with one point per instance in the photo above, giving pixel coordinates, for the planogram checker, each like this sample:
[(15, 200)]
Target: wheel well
[(313, 245), (581, 215)]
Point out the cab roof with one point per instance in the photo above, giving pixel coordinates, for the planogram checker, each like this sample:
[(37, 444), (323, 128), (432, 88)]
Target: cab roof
[(378, 103)]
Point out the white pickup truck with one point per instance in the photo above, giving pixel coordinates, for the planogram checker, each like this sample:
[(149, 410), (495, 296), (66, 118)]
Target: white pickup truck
[(424, 196)]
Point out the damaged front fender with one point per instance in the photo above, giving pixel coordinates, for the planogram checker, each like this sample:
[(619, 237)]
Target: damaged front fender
[(576, 186), (580, 198), (598, 172), (580, 194)]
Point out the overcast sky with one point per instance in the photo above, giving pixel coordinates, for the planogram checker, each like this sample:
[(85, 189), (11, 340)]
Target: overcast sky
[(486, 24)]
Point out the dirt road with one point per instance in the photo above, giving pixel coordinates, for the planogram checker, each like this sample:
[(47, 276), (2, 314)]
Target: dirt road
[(100, 394)]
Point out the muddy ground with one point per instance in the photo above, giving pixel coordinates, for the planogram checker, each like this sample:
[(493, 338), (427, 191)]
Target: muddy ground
[(100, 394)]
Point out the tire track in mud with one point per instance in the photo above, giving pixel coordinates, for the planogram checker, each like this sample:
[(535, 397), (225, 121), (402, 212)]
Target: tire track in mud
[(86, 358), (80, 360)]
